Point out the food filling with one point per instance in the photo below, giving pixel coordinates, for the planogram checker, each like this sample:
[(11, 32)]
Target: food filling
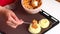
[(32, 4)]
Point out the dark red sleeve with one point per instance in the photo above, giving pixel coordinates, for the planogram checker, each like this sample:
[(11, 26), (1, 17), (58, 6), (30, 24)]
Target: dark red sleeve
[(5, 2)]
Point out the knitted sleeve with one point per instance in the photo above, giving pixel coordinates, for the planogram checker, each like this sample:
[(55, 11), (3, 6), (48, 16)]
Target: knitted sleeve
[(6, 2)]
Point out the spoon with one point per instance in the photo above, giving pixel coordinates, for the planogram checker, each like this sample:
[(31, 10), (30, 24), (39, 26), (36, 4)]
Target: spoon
[(27, 23)]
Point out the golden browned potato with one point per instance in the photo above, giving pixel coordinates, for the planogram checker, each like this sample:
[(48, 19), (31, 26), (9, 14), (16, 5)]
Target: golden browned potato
[(34, 28), (44, 23)]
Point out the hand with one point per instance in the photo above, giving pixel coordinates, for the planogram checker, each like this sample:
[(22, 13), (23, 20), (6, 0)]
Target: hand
[(12, 19)]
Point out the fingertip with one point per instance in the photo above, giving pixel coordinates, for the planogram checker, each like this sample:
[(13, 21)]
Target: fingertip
[(21, 21)]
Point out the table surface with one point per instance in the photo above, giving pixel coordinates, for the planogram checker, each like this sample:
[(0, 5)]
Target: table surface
[(50, 6)]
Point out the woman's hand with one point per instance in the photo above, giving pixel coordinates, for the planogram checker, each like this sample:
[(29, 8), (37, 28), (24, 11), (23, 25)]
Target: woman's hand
[(12, 19)]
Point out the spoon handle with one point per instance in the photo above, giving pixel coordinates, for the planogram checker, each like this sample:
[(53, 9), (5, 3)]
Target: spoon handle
[(27, 23)]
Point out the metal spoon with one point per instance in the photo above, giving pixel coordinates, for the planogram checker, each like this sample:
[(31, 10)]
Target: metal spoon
[(27, 23)]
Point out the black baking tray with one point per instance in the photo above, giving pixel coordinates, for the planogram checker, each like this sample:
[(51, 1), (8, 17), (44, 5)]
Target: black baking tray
[(51, 18), (23, 29)]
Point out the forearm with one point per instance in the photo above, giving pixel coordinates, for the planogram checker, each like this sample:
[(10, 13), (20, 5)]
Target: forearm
[(2, 10)]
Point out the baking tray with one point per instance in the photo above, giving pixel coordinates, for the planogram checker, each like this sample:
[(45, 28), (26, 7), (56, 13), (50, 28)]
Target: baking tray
[(53, 20), (42, 15), (23, 29)]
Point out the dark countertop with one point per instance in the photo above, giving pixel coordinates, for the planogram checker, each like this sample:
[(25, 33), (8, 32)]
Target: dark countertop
[(22, 29)]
